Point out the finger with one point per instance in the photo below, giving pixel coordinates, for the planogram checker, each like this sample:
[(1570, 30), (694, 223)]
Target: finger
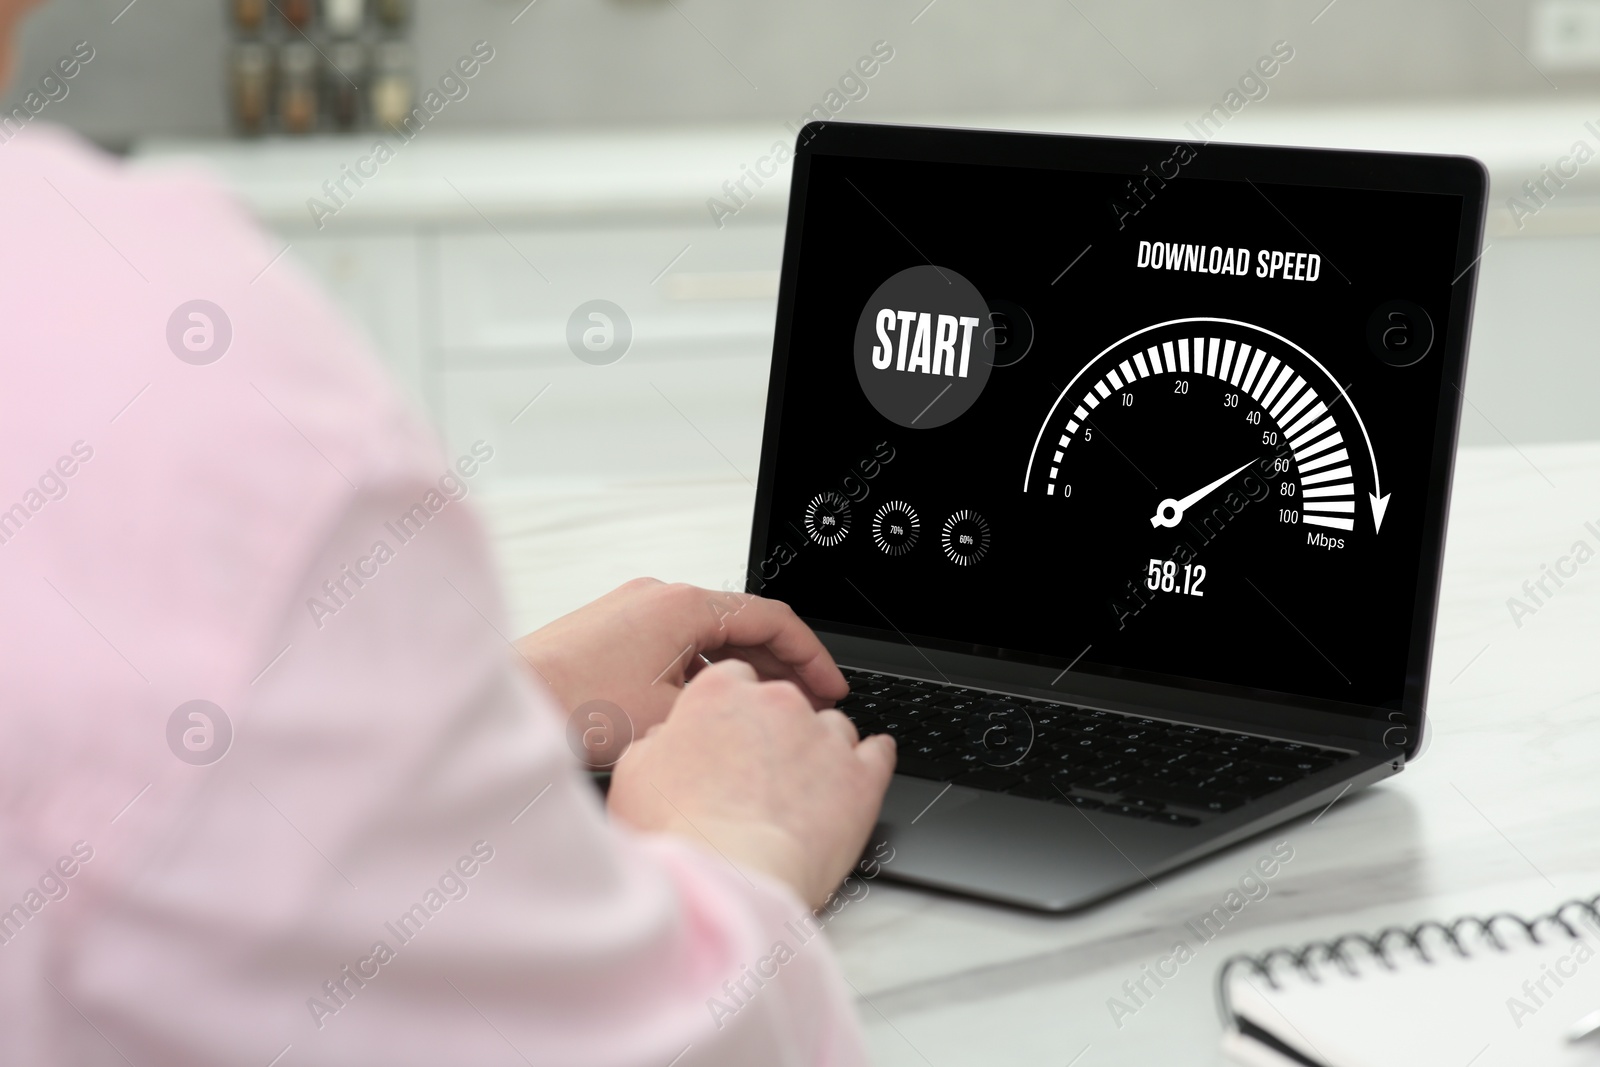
[(697, 663), (635, 749), (787, 699), (725, 671), (738, 620), (836, 722), (772, 669), (878, 753)]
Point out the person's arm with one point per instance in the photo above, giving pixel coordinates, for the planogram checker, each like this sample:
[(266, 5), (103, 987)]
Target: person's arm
[(400, 861)]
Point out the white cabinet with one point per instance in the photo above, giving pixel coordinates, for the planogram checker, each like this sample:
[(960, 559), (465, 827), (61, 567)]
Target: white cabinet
[(473, 319), (373, 277)]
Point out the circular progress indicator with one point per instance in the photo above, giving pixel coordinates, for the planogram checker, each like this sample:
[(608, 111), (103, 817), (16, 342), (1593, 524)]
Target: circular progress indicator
[(1197, 404), (895, 528), (827, 518), (965, 538)]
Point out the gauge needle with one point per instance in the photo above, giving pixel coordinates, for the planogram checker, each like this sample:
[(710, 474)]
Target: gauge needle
[(1170, 512)]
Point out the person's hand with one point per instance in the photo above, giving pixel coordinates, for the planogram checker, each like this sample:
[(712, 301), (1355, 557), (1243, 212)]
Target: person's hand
[(750, 768), (638, 644)]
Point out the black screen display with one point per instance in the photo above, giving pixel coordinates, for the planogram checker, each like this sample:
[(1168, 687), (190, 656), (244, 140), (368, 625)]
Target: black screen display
[(1161, 427)]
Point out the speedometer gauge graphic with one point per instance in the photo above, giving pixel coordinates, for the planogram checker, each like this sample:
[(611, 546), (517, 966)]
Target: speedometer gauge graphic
[(1175, 415)]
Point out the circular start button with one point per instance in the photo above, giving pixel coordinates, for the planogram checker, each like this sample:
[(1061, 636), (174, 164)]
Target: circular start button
[(924, 347)]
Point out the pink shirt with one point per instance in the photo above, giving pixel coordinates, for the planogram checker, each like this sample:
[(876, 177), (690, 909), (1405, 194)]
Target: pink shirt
[(395, 860)]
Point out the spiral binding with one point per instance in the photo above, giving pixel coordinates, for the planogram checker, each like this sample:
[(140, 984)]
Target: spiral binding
[(1307, 958)]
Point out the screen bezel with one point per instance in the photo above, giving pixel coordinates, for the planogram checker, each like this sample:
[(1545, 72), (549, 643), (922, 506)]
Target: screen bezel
[(1314, 167)]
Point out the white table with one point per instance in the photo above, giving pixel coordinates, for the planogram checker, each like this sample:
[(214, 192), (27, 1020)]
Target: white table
[(1500, 811)]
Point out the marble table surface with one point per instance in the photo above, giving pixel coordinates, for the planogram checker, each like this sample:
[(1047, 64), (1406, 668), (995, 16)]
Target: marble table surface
[(1500, 811)]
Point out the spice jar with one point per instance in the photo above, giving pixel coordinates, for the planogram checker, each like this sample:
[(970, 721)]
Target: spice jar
[(392, 13), (250, 77), (347, 73), (392, 85), (249, 15), (343, 18), (297, 13), (297, 88)]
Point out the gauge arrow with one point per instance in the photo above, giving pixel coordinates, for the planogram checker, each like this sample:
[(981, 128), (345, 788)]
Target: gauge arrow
[(1170, 512), (1380, 504)]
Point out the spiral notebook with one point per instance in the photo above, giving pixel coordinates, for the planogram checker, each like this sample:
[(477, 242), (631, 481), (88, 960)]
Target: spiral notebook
[(1492, 991)]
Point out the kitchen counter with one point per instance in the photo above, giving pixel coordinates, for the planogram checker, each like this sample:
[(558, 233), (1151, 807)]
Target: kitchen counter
[(670, 174)]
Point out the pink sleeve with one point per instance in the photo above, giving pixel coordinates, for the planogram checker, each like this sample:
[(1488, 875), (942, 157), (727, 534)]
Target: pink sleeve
[(400, 854), (378, 848)]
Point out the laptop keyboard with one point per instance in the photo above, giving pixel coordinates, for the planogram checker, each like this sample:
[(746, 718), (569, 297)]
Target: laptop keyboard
[(1165, 772)]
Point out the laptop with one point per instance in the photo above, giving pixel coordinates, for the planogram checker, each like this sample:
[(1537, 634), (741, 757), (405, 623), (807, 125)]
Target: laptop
[(1114, 474)]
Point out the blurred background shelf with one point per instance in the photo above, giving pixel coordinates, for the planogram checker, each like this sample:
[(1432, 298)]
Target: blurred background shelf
[(465, 256)]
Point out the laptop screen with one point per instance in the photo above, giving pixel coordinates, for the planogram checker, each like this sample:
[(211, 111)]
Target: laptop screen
[(1150, 425)]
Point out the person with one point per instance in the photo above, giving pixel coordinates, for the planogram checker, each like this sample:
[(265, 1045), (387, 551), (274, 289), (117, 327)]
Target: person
[(277, 788)]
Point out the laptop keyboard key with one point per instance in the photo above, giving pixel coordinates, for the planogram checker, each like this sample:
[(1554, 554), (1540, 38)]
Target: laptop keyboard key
[(1120, 808), (1172, 818), (1111, 784), (1168, 772)]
